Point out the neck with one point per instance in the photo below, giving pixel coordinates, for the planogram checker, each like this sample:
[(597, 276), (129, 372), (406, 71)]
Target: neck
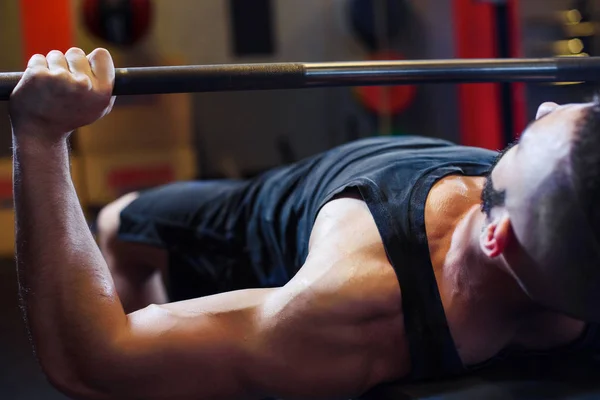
[(475, 277)]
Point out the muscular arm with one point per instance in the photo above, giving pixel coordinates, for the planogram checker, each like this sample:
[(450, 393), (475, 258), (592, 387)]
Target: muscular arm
[(334, 330), (86, 344), (65, 286), (313, 337)]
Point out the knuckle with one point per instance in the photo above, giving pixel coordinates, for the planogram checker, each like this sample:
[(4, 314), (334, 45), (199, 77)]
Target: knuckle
[(55, 53), (100, 52), (83, 82), (37, 60), (60, 74), (37, 57), (37, 72), (36, 75), (75, 51)]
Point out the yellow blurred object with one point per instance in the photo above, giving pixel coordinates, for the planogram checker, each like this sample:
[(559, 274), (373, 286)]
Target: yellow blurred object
[(584, 29), (573, 17), (109, 176), (575, 46), (140, 123), (568, 47), (7, 216)]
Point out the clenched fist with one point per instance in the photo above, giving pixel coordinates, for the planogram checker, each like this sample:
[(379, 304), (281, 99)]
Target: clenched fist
[(62, 92)]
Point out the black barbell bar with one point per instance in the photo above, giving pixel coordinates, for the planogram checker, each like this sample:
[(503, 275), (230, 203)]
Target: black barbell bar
[(237, 77)]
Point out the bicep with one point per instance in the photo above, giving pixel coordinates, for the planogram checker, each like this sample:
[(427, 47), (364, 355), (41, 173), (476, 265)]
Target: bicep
[(286, 342), (199, 348), (290, 344)]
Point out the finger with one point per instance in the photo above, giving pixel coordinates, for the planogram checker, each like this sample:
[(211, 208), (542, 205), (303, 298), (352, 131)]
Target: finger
[(111, 104), (57, 61), (102, 65), (78, 62), (37, 61)]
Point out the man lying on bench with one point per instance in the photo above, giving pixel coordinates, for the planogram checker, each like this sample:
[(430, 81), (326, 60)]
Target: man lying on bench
[(383, 260)]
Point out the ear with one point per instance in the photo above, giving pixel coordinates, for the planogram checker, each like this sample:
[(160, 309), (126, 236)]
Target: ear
[(495, 236)]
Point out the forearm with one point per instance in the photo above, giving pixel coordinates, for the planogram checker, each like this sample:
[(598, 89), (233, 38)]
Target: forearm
[(71, 306)]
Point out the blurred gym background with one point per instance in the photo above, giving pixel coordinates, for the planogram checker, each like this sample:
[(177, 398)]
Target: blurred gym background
[(153, 140)]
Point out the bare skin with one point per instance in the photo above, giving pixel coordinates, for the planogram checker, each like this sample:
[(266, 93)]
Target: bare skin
[(486, 309), (138, 271), (335, 330)]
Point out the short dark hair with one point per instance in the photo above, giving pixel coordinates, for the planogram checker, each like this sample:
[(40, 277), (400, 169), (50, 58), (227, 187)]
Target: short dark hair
[(585, 165), (490, 196)]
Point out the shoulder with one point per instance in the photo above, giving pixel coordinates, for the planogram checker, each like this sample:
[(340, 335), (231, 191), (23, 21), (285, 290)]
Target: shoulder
[(343, 228), (347, 259)]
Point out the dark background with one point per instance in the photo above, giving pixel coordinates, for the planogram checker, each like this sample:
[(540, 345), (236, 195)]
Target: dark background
[(239, 134)]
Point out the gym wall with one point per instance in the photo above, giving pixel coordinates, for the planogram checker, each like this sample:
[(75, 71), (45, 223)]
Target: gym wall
[(245, 128), (241, 133), (542, 29)]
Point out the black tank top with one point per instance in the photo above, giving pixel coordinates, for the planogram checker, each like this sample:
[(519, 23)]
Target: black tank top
[(394, 176)]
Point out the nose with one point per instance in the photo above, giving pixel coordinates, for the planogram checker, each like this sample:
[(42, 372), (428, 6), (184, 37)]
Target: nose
[(546, 108)]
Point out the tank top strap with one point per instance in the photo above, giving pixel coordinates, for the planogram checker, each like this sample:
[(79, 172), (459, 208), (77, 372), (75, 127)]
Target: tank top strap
[(426, 324)]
